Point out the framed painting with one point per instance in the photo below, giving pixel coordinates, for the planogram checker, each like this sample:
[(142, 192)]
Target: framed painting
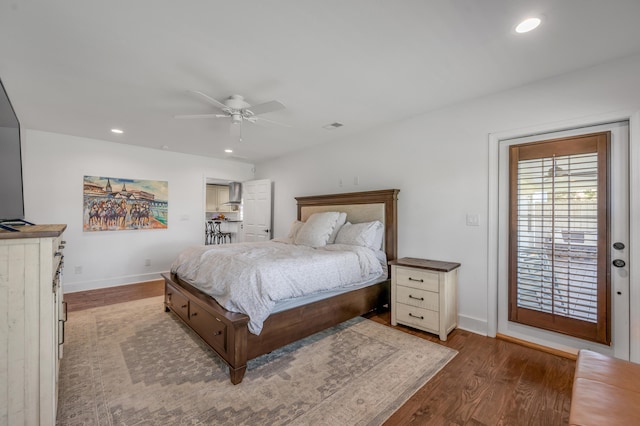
[(117, 204)]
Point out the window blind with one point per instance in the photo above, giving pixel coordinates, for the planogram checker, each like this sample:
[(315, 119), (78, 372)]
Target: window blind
[(558, 234)]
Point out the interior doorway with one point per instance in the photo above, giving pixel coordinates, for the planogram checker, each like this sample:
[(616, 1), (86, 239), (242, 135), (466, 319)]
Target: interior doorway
[(222, 222)]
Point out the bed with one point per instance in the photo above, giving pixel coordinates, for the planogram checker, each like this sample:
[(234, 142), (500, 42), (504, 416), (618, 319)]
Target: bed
[(227, 333)]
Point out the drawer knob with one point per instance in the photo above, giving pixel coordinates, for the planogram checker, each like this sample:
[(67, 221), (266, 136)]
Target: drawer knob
[(416, 298), (217, 333), (194, 314), (184, 306), (416, 316), (418, 280)]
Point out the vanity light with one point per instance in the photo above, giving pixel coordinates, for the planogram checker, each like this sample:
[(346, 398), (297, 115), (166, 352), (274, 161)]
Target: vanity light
[(528, 25), (228, 151), (118, 131)]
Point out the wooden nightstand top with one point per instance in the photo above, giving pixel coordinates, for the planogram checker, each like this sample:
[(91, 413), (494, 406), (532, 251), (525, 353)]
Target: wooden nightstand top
[(433, 265)]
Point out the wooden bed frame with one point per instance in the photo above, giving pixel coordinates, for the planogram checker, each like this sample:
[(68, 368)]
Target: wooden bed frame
[(227, 333)]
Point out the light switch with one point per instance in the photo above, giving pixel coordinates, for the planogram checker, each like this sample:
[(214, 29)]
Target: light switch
[(473, 219)]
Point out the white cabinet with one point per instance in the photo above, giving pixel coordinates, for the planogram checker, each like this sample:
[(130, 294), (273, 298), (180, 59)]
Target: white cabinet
[(217, 196), (424, 295), (31, 324)]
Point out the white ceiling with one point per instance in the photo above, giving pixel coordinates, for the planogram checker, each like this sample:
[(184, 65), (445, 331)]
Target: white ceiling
[(84, 67)]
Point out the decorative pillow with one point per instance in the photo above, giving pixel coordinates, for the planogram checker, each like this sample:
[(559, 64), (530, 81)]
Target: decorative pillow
[(365, 234), (316, 230), (342, 218)]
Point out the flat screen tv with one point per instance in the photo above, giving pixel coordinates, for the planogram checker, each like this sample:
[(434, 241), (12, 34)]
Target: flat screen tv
[(11, 195)]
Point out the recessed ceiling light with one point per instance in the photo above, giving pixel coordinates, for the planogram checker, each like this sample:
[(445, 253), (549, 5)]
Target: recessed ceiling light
[(165, 147), (228, 151), (118, 131), (528, 25)]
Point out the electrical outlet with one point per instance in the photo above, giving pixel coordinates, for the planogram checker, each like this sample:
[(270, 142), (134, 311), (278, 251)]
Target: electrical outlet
[(147, 262), (78, 270), (356, 180)]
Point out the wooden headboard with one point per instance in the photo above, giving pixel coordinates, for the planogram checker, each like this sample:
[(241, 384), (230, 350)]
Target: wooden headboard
[(360, 207)]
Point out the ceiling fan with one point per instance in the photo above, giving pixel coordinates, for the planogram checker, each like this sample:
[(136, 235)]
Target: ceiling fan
[(236, 108)]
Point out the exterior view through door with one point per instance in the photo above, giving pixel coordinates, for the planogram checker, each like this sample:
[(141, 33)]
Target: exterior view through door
[(559, 237)]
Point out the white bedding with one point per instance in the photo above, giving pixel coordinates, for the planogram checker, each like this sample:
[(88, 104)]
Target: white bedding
[(251, 277)]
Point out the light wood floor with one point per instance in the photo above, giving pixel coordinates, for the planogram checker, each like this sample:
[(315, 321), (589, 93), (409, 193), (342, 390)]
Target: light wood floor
[(489, 382)]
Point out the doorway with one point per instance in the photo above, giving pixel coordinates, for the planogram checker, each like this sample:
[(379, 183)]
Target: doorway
[(619, 232), (222, 221)]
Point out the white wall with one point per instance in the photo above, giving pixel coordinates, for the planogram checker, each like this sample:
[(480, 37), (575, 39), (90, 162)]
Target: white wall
[(439, 161), (54, 166)]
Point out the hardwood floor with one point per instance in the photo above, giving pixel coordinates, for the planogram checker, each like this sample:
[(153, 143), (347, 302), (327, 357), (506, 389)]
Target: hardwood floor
[(108, 296), (489, 382)]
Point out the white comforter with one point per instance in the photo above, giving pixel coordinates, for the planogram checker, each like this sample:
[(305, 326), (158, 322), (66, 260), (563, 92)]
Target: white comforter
[(251, 277)]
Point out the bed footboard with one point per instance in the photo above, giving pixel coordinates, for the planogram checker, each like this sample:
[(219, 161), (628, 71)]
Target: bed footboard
[(227, 332)]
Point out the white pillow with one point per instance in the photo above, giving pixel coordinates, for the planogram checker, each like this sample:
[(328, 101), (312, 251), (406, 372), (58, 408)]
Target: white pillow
[(342, 218), (316, 230), (365, 234), (293, 231), (295, 227)]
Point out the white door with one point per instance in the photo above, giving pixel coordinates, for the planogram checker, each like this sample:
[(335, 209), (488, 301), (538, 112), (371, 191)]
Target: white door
[(619, 232), (256, 205)]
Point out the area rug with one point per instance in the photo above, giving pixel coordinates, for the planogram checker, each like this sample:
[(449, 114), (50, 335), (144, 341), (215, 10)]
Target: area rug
[(132, 363)]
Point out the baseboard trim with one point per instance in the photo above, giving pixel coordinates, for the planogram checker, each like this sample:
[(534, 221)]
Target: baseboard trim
[(474, 325), (115, 282), (536, 346)]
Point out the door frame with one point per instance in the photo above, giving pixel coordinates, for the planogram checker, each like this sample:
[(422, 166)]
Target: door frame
[(633, 117)]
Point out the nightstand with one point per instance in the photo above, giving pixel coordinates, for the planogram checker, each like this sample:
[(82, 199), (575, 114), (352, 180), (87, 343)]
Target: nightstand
[(424, 294)]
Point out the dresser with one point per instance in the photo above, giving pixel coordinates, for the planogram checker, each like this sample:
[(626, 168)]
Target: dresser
[(424, 294), (32, 316)]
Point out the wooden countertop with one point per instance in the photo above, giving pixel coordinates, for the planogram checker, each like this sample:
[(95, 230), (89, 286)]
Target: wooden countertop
[(33, 231)]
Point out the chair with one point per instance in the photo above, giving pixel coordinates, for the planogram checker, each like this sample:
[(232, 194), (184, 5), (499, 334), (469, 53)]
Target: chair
[(217, 236)]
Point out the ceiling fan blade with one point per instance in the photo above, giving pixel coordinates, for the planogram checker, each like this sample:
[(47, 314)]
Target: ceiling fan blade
[(199, 116), (266, 107), (258, 119), (209, 99)]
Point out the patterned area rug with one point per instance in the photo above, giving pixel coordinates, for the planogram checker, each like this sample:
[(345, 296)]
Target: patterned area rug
[(132, 363)]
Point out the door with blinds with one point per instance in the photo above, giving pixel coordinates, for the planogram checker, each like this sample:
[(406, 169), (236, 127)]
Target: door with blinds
[(559, 206), (568, 207)]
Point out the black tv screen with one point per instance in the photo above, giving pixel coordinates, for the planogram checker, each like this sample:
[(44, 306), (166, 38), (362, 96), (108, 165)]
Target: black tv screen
[(11, 196)]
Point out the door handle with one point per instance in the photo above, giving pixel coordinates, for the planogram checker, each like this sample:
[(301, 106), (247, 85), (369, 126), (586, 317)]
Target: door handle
[(618, 246), (266, 230)]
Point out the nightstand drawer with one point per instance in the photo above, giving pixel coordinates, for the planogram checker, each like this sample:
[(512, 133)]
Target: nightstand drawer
[(420, 318), (418, 298), (416, 278)]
